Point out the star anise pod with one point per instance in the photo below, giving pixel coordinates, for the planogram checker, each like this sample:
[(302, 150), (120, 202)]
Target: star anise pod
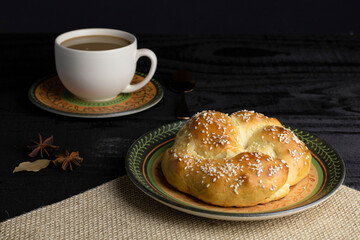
[(42, 146), (67, 159)]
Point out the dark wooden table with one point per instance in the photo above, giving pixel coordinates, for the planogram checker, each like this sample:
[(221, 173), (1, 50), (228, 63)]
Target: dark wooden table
[(311, 82)]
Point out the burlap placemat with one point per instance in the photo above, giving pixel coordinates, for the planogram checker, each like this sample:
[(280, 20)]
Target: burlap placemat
[(118, 210)]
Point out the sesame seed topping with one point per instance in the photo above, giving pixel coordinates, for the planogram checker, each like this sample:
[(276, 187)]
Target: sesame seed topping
[(273, 170), (212, 131)]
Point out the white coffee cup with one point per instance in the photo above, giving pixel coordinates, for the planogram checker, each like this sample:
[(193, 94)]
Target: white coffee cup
[(100, 75)]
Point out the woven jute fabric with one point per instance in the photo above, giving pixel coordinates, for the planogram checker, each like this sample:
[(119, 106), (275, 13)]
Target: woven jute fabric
[(118, 210)]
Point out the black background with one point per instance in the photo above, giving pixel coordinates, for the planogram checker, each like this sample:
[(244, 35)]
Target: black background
[(165, 16)]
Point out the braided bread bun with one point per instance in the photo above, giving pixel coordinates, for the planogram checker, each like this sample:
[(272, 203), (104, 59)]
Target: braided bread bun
[(239, 160)]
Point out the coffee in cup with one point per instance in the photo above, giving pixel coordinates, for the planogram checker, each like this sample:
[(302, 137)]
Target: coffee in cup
[(95, 43)]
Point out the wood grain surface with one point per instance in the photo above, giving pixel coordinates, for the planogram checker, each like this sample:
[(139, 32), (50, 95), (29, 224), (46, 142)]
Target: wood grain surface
[(311, 82)]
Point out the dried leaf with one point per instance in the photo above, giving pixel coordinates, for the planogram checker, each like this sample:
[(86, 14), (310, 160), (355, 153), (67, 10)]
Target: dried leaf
[(32, 166)]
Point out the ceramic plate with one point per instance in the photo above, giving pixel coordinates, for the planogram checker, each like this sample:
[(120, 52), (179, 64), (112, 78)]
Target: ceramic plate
[(142, 164), (50, 95)]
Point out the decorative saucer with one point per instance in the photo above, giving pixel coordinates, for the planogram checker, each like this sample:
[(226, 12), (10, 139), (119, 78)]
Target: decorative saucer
[(50, 95)]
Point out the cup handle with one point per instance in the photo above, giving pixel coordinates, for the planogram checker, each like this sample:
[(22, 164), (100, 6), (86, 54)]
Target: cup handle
[(143, 53)]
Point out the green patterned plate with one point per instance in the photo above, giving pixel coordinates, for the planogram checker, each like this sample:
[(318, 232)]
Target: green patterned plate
[(51, 95), (143, 167)]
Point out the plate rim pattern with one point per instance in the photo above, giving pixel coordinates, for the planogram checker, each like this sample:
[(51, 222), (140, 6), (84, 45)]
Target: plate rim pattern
[(146, 143)]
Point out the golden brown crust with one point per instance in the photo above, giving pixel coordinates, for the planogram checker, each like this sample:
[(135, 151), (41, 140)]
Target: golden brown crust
[(212, 134), (239, 160), (249, 122), (282, 143)]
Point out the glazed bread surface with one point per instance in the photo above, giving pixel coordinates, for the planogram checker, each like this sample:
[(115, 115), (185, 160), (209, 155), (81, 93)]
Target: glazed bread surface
[(239, 160)]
